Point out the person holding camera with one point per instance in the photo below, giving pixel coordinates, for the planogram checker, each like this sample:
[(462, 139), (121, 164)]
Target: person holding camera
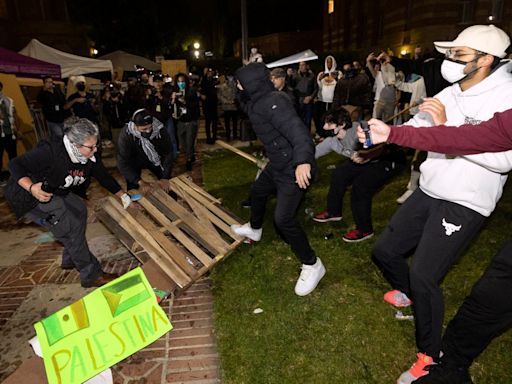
[(45, 188), (186, 111), (114, 108), (144, 144), (82, 103)]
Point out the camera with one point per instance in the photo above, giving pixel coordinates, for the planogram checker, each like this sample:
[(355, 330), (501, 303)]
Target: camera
[(45, 186)]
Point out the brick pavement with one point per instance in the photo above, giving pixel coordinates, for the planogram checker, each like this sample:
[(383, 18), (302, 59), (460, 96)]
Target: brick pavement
[(187, 354)]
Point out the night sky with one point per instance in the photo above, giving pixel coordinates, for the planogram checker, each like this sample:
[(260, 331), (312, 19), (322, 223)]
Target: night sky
[(167, 27)]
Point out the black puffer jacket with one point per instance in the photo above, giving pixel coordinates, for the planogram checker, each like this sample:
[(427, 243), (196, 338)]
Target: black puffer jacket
[(274, 120)]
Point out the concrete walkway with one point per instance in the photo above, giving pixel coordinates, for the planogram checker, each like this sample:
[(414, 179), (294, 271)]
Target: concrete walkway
[(33, 286)]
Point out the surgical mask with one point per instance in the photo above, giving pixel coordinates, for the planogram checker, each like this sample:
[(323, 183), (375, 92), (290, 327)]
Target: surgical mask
[(181, 85), (453, 71)]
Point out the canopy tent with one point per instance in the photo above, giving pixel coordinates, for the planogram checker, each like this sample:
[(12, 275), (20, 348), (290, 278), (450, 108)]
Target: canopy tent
[(128, 61), (293, 59), (21, 65), (70, 64)]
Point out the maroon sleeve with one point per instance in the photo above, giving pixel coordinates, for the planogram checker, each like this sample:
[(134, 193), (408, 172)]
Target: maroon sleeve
[(494, 135)]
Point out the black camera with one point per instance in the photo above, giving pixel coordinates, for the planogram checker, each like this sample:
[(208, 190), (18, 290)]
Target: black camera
[(47, 187)]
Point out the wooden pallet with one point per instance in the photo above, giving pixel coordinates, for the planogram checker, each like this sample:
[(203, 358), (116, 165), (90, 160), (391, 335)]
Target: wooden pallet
[(185, 237)]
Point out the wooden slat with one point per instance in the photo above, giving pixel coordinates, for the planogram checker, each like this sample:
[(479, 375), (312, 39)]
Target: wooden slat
[(198, 189), (142, 236), (176, 232), (171, 249), (208, 204), (189, 221)]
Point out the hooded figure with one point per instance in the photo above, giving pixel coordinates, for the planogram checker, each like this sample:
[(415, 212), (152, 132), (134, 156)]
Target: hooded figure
[(291, 153), (327, 81)]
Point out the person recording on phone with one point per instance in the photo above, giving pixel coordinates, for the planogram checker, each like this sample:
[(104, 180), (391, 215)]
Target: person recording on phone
[(45, 187)]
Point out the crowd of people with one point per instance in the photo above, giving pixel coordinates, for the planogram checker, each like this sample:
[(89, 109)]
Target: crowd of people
[(447, 200)]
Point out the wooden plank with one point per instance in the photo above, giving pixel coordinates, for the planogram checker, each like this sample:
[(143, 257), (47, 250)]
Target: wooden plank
[(171, 249), (142, 236), (191, 224), (123, 236), (176, 232), (212, 207), (198, 189)]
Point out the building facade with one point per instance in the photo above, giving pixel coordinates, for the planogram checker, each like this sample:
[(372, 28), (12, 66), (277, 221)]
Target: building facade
[(401, 25)]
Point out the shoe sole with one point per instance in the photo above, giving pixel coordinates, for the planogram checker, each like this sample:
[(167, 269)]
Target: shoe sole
[(357, 240), (327, 220)]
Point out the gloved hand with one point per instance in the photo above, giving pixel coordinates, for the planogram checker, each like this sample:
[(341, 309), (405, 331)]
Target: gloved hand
[(126, 200)]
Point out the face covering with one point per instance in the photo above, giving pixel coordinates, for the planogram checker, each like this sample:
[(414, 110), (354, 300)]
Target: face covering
[(453, 71), (181, 85), (80, 87), (146, 135)]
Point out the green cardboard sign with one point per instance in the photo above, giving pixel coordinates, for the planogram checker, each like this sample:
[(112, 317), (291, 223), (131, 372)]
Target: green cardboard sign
[(101, 329)]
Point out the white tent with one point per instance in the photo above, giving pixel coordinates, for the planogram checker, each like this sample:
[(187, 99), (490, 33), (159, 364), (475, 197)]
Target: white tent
[(293, 59), (71, 65), (128, 61)]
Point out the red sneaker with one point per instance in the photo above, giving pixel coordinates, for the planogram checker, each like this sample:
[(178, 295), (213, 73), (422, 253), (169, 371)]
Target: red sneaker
[(324, 217), (397, 298), (356, 235), (417, 370)]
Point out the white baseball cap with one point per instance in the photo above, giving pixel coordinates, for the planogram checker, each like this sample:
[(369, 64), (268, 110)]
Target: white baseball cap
[(483, 38)]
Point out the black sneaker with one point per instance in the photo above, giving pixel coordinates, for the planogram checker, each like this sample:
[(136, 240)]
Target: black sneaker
[(246, 203), (445, 374)]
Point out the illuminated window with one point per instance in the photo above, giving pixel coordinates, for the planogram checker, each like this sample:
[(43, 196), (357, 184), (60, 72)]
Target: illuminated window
[(330, 6)]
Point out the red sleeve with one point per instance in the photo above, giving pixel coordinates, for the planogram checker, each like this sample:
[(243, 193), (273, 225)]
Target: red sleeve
[(494, 135)]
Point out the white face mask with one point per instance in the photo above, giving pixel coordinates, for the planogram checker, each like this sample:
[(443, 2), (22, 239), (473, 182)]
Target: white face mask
[(452, 71)]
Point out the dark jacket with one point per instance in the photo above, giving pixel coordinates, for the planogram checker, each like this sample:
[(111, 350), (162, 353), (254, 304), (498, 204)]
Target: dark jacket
[(187, 108), (274, 120), (430, 69), (52, 104), (353, 91), (131, 158), (49, 163)]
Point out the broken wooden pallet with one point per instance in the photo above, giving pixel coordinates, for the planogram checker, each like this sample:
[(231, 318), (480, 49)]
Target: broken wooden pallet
[(185, 237)]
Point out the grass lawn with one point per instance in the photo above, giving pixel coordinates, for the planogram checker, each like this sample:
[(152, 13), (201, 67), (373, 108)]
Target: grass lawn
[(343, 332)]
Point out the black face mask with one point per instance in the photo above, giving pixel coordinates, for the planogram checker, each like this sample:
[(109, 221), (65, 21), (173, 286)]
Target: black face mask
[(350, 73), (146, 135), (80, 87)]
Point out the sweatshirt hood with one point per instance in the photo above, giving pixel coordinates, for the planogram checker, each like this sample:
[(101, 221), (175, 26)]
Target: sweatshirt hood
[(333, 67), (255, 80), (500, 75)]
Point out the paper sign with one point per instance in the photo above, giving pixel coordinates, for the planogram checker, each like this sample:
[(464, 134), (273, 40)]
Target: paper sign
[(101, 329)]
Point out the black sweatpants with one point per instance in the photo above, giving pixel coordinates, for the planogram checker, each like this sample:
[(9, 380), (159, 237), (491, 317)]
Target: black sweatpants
[(440, 230), (289, 197), (484, 314), (66, 217), (366, 179)]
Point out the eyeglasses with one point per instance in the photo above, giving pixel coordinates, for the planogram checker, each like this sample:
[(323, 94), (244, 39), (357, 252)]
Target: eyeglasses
[(89, 147), (456, 55)]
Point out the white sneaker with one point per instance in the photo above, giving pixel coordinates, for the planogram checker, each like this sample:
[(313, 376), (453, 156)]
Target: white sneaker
[(309, 278), (247, 231), (404, 197)]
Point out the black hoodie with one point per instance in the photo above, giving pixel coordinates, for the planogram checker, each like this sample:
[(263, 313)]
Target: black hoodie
[(274, 120)]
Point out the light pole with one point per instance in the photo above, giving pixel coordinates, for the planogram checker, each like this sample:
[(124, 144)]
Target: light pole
[(243, 7)]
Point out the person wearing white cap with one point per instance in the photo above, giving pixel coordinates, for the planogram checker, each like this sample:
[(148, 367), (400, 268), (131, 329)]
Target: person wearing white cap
[(456, 193)]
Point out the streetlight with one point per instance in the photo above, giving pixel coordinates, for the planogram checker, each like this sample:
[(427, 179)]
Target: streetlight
[(196, 45)]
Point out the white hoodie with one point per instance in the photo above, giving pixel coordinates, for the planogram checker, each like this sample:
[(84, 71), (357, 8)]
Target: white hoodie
[(473, 181)]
